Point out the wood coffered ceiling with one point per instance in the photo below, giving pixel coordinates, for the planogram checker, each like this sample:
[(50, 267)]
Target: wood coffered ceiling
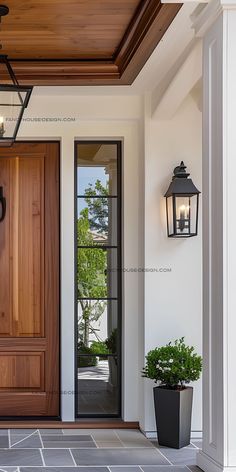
[(82, 42)]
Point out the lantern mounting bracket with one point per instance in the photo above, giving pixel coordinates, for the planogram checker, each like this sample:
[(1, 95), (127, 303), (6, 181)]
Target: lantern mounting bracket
[(4, 10)]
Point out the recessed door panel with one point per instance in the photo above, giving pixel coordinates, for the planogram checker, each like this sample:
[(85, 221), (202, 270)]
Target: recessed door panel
[(29, 277)]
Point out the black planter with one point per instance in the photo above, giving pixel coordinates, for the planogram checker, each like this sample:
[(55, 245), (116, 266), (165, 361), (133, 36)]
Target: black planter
[(173, 410)]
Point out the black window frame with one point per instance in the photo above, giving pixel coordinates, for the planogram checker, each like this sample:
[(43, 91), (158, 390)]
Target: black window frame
[(118, 143)]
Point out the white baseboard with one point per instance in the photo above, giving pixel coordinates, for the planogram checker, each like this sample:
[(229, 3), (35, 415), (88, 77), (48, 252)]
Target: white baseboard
[(208, 464)]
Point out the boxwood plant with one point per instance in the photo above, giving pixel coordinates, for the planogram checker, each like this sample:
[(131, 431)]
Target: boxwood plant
[(174, 365)]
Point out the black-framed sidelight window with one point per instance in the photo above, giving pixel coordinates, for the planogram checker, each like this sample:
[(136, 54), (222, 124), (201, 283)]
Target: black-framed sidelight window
[(98, 278)]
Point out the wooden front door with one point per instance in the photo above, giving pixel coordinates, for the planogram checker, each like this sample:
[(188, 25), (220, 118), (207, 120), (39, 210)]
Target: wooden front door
[(29, 280)]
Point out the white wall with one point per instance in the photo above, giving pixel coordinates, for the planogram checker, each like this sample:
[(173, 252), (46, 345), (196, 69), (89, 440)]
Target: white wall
[(96, 117), (173, 305)]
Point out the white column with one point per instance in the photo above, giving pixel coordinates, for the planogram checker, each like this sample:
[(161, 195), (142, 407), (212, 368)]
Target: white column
[(217, 26)]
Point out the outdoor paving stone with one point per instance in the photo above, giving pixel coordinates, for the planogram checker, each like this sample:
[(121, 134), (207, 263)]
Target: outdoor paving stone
[(69, 444), (119, 457), (20, 457), (166, 468), (133, 438), (184, 456), (131, 468), (50, 431), (4, 441), (66, 438), (22, 431), (197, 443), (64, 469), (59, 457), (8, 469), (107, 444), (21, 442), (194, 468), (100, 434)]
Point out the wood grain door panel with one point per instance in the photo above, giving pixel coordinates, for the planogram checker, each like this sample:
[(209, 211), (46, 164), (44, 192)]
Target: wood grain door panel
[(29, 281)]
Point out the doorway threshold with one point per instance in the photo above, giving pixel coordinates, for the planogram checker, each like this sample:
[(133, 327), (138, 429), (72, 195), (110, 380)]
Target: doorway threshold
[(85, 423)]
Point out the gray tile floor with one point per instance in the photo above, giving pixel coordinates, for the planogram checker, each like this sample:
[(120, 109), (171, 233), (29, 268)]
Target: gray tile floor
[(95, 450)]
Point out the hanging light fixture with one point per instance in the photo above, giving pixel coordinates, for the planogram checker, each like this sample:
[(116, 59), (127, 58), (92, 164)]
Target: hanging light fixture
[(182, 200), (14, 98)]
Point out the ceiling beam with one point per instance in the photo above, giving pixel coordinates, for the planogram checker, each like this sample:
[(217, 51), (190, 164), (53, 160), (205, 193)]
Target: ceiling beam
[(166, 100)]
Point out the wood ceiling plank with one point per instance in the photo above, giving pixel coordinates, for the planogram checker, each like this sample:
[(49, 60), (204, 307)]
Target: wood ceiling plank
[(83, 42), (72, 29)]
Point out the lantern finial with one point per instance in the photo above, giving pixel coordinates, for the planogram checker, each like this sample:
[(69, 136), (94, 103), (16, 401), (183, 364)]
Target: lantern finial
[(180, 171)]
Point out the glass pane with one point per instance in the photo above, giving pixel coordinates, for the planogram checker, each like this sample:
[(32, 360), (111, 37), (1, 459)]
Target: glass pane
[(97, 385), (97, 326), (97, 169), (97, 273), (97, 221), (193, 213), (182, 215), (170, 215), (98, 353), (10, 109)]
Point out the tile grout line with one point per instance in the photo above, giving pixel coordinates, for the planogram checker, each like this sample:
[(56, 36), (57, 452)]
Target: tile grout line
[(123, 444), (73, 459), (195, 447), (42, 457), (93, 441), (189, 467), (40, 437), (162, 454), (26, 437)]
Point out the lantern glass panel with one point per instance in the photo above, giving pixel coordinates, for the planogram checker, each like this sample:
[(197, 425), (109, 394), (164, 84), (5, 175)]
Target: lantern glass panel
[(10, 111), (169, 201), (193, 213), (182, 212)]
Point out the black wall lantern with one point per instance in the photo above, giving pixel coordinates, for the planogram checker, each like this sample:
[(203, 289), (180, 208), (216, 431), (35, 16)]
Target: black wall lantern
[(182, 200), (14, 98)]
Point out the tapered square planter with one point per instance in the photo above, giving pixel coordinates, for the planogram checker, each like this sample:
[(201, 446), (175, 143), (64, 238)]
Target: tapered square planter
[(173, 409)]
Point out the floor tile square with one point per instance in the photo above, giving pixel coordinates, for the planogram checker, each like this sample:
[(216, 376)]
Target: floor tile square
[(50, 431), (25, 431), (197, 443), (106, 444), (64, 469), (18, 441), (118, 457), (20, 457), (9, 469), (69, 444), (166, 468), (185, 456), (126, 468), (59, 457), (133, 438), (4, 441)]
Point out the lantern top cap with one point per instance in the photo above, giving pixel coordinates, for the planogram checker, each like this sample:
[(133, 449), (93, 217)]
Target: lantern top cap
[(180, 171), (181, 185)]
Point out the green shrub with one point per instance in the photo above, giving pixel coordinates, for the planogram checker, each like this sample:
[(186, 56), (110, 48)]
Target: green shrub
[(173, 365), (111, 342), (99, 347), (86, 361)]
